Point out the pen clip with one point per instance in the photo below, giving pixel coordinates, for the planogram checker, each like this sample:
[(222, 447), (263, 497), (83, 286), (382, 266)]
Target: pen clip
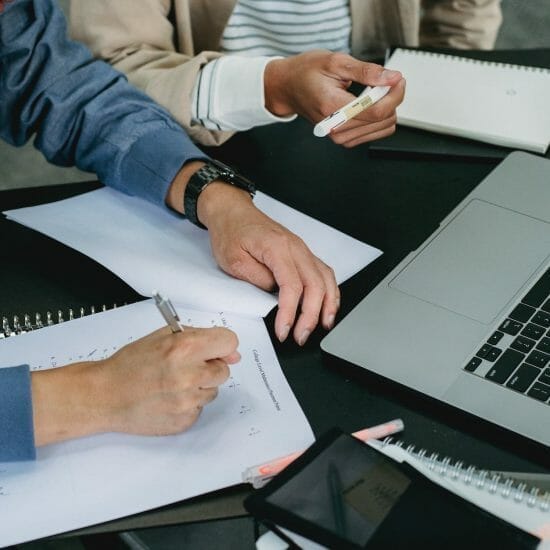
[(172, 309), (168, 311)]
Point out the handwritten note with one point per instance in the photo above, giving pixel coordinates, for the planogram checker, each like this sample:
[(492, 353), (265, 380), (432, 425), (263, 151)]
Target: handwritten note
[(95, 479)]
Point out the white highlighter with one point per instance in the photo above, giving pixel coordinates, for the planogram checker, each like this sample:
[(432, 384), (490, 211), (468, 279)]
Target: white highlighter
[(369, 96)]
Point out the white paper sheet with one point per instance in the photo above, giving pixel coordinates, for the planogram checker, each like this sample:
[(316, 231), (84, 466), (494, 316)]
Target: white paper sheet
[(95, 479), (151, 248)]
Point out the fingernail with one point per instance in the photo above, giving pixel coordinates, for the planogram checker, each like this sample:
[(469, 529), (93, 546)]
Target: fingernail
[(283, 333), (330, 322), (387, 73), (303, 338)]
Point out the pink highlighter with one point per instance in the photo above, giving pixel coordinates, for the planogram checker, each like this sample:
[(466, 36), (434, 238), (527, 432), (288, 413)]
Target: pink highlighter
[(259, 475)]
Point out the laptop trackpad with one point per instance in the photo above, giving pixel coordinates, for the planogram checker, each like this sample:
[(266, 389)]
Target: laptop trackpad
[(478, 262)]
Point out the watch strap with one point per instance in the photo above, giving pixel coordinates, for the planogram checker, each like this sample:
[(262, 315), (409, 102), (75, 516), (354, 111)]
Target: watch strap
[(211, 171)]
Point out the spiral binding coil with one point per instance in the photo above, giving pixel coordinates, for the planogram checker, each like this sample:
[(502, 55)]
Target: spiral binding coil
[(22, 325), (459, 59), (482, 479)]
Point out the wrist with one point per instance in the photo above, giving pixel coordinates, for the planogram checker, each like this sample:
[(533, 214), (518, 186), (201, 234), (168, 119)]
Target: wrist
[(218, 199), (203, 190), (67, 403), (174, 197), (276, 88)]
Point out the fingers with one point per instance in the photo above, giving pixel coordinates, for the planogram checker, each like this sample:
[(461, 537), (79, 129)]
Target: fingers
[(346, 67), (321, 298), (304, 281), (365, 133), (247, 268), (232, 358), (375, 123), (212, 374), (255, 248), (290, 293), (201, 345)]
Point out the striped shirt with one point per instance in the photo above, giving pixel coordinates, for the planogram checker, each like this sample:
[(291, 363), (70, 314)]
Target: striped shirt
[(229, 93), (287, 27)]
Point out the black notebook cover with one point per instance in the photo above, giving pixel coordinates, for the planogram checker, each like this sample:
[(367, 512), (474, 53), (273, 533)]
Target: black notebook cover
[(343, 493)]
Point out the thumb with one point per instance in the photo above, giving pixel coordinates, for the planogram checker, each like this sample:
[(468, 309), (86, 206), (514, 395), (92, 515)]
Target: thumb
[(347, 67)]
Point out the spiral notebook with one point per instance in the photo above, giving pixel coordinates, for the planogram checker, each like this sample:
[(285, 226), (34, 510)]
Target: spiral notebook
[(498, 103), (342, 493), (13, 325)]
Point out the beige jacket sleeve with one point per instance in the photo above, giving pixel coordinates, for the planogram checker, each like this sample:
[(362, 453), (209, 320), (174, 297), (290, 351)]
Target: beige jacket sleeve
[(468, 24), (137, 38)]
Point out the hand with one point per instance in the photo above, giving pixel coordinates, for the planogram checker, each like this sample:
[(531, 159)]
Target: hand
[(251, 246), (314, 85), (154, 386)]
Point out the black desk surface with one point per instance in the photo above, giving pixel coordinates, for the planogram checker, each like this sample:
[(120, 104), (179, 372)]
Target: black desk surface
[(391, 204)]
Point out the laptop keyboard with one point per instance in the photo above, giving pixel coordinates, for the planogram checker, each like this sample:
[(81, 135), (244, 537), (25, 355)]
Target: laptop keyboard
[(517, 355)]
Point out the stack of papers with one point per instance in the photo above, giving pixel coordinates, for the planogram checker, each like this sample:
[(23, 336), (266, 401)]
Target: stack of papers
[(255, 416)]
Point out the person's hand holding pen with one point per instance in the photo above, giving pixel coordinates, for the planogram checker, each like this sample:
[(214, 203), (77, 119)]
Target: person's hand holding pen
[(156, 385), (315, 84)]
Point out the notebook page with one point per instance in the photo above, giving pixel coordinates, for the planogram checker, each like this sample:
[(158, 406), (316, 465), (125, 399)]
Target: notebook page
[(496, 103), (94, 479)]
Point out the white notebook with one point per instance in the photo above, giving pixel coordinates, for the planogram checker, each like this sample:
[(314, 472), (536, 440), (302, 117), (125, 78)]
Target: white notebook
[(496, 103)]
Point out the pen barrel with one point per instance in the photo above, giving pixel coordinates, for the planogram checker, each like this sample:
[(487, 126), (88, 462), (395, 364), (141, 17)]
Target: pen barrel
[(357, 107)]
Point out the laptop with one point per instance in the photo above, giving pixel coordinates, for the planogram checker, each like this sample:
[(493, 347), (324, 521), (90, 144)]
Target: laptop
[(465, 318)]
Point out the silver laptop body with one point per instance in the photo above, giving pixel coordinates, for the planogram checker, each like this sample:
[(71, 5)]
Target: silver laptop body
[(426, 324)]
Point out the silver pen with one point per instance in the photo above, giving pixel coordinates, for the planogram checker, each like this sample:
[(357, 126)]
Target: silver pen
[(167, 310)]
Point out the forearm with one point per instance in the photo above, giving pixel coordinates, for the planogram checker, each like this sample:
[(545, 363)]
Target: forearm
[(83, 111), (69, 402), (137, 38)]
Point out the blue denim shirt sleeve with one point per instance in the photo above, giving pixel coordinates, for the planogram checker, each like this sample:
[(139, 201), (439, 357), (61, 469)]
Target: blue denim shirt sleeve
[(82, 111), (16, 423)]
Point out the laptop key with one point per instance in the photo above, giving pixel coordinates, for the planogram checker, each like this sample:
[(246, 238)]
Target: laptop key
[(539, 292), (541, 318), (493, 354), (522, 313), (545, 376), (523, 378), (538, 359), (483, 351), (539, 391), (544, 345), (523, 344), (546, 305), (510, 327), (473, 364), (532, 331), (505, 366), (495, 337)]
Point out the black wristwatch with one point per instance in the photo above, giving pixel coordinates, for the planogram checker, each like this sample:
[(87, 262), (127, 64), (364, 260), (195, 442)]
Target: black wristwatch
[(213, 170)]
